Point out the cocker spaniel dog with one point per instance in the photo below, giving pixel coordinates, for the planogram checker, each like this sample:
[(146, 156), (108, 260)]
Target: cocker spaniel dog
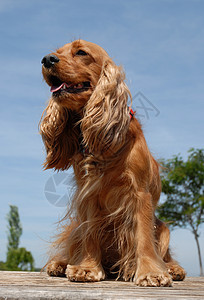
[(111, 228)]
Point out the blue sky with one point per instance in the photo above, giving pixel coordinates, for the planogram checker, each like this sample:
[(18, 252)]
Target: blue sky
[(160, 44)]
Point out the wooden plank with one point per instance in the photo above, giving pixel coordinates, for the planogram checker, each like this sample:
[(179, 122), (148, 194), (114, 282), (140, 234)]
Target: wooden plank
[(27, 285)]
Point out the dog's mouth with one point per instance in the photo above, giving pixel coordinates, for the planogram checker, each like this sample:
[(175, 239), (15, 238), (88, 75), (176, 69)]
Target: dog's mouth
[(59, 87)]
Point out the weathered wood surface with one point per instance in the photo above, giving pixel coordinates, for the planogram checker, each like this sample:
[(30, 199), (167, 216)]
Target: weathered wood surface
[(26, 285)]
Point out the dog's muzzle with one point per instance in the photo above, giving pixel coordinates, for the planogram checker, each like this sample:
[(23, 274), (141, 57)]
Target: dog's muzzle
[(49, 60)]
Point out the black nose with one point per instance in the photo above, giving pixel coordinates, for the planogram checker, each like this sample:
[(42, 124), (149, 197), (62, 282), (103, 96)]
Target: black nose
[(49, 60)]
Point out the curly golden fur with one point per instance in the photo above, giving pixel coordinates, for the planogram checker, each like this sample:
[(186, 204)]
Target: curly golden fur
[(111, 227)]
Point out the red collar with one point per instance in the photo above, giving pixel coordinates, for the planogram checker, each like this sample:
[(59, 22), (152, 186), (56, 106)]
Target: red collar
[(132, 113)]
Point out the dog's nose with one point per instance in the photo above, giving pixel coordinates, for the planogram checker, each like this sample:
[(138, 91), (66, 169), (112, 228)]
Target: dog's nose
[(49, 60)]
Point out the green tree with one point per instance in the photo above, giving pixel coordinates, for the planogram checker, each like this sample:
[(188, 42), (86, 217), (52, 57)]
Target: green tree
[(14, 227), (17, 258), (3, 266), (183, 185)]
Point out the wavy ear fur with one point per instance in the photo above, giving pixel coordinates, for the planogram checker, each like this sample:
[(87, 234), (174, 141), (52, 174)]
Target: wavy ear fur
[(106, 118), (60, 135)]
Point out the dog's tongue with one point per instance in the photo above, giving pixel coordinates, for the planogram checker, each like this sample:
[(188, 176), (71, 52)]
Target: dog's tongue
[(57, 88)]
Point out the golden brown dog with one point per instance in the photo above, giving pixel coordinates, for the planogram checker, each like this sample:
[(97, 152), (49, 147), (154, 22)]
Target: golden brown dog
[(111, 226)]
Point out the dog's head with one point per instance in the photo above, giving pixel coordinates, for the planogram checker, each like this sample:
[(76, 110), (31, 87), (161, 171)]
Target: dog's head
[(72, 72), (88, 103)]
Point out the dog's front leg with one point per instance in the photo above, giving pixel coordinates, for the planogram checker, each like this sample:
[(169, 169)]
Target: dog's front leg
[(151, 270), (89, 268)]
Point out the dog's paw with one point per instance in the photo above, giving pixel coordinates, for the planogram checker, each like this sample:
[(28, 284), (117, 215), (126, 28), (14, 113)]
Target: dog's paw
[(154, 280), (81, 273), (177, 272), (56, 269)]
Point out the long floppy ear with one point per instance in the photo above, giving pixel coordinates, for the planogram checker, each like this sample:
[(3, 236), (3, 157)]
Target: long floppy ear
[(60, 135), (106, 118)]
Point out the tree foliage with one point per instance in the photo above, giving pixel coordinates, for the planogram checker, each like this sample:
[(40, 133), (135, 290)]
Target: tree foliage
[(14, 227), (17, 258), (183, 185)]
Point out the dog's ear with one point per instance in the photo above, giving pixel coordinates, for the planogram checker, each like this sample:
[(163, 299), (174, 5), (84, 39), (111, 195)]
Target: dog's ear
[(106, 118), (60, 136)]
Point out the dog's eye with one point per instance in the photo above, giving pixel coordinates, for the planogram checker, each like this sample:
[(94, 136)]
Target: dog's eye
[(81, 52)]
